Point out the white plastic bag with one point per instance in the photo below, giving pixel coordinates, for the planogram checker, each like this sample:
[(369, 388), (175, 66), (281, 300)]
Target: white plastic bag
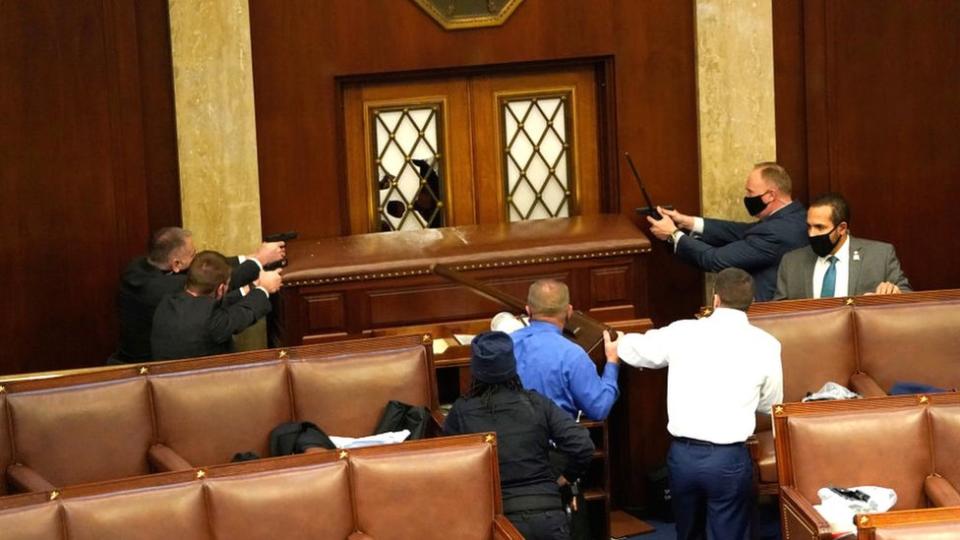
[(839, 510)]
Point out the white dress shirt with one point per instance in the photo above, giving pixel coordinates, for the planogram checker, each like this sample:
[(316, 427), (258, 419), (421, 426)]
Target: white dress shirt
[(722, 370), (842, 285)]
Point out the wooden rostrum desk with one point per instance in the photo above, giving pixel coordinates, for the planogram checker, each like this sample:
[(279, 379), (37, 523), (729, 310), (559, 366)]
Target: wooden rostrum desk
[(381, 284)]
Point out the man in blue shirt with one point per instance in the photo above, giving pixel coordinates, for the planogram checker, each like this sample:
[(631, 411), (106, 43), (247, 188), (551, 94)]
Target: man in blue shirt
[(556, 367)]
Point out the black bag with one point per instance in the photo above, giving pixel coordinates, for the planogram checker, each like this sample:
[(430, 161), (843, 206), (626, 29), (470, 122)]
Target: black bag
[(244, 456), (295, 437), (398, 416), (658, 494)]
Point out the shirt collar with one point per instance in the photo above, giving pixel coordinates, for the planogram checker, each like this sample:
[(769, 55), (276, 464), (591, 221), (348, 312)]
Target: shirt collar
[(544, 326), (729, 314)]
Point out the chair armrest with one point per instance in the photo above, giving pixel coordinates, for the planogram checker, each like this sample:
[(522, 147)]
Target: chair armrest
[(23, 478), (435, 429), (864, 385), (800, 520), (940, 491), (504, 530), (164, 459)]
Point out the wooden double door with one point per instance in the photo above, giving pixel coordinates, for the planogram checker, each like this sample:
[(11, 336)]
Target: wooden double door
[(469, 149)]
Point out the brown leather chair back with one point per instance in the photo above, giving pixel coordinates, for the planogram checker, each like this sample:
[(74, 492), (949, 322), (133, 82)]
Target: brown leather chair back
[(816, 347), (83, 433), (346, 395), (41, 522), (910, 342), (174, 512), (209, 415), (306, 502), (452, 488), (5, 450), (889, 448), (922, 531), (945, 424)]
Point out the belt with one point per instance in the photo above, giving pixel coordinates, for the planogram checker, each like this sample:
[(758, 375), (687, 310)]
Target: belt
[(531, 503), (698, 442)]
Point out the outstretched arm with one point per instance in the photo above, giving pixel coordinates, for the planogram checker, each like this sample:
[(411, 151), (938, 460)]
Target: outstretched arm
[(227, 321)]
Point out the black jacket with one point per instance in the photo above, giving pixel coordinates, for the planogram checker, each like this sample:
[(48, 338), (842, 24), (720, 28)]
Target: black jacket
[(142, 286), (186, 326), (525, 423)]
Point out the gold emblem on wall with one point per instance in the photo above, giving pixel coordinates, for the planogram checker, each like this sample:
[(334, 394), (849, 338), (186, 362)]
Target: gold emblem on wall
[(460, 14)]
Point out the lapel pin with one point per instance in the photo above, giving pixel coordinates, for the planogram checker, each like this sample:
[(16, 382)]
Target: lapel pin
[(856, 255)]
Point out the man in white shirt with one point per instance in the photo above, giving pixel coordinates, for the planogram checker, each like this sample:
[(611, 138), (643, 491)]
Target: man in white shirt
[(836, 263), (722, 371)]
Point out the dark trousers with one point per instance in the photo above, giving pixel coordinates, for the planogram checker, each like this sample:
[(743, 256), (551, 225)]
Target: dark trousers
[(541, 524), (711, 487)]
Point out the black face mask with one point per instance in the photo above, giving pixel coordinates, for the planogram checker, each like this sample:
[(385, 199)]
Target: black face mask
[(755, 205), (821, 244)]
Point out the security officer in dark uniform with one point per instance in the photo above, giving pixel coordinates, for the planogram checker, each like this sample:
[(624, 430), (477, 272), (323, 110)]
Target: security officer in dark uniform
[(528, 426)]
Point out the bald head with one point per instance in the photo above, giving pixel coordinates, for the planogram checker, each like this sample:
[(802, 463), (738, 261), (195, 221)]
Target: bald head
[(548, 298)]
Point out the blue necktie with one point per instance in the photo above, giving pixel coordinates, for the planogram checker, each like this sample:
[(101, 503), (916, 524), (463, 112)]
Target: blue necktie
[(829, 279)]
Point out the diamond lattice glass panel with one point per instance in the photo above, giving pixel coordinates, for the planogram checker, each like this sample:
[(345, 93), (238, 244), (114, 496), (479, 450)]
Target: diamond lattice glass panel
[(536, 157), (408, 190)]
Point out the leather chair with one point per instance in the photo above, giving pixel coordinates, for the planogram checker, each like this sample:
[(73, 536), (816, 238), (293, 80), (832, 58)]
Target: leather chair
[(39, 521), (928, 524), (79, 433), (816, 347), (943, 487), (910, 342), (306, 502), (345, 395), (170, 416), (207, 416), (889, 442), (432, 489)]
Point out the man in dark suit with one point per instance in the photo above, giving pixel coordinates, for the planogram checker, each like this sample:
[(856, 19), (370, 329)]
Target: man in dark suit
[(836, 263), (757, 247), (148, 279), (200, 320)]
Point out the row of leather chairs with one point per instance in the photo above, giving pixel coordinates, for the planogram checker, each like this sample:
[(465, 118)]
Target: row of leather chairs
[(431, 489), (906, 443), (864, 343), (127, 421), (925, 524)]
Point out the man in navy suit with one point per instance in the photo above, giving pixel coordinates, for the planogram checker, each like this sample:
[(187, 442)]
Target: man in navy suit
[(714, 244)]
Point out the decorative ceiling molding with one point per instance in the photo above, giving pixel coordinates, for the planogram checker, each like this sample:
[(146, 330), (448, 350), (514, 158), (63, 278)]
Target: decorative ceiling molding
[(463, 14)]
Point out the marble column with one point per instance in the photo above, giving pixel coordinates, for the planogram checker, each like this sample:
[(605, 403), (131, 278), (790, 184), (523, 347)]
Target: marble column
[(216, 128), (736, 100)]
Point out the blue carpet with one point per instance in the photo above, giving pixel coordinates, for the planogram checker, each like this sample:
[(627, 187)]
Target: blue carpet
[(767, 526)]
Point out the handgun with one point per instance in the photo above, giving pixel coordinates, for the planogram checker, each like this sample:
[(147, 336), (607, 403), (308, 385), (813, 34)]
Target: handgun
[(279, 237)]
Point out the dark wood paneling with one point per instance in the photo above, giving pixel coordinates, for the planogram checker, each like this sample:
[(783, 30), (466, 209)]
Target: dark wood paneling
[(76, 187), (302, 50), (158, 112), (882, 106), (790, 102), (650, 45), (325, 313)]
